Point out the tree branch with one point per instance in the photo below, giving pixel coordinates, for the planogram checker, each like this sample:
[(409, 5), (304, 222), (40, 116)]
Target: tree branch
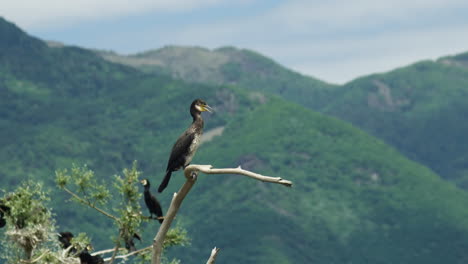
[(191, 173), (208, 169), (36, 259), (81, 200), (127, 255), (214, 253), (105, 251), (114, 254), (170, 215)]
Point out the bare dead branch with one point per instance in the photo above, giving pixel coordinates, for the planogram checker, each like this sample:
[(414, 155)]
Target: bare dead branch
[(105, 251), (114, 254), (177, 199), (191, 173), (208, 169), (214, 254), (136, 252)]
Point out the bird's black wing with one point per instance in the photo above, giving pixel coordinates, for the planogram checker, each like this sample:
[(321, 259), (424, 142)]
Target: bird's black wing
[(156, 207), (179, 151)]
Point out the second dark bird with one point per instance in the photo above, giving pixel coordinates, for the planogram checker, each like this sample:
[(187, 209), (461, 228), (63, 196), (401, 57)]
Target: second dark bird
[(187, 144), (151, 202)]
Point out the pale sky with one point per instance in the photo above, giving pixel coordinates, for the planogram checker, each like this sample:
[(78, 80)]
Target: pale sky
[(335, 40)]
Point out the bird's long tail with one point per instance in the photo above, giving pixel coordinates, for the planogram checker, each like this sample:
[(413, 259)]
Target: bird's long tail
[(165, 181)]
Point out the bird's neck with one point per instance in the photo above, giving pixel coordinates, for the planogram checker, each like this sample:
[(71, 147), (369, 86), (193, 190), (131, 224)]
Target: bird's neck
[(197, 120)]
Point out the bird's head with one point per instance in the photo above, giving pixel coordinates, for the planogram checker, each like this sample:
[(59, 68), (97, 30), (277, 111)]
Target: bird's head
[(145, 182), (199, 105)]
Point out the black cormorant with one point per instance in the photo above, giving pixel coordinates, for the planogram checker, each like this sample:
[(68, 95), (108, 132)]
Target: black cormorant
[(129, 244), (153, 205), (2, 220), (3, 211), (187, 144), (86, 258), (65, 239)]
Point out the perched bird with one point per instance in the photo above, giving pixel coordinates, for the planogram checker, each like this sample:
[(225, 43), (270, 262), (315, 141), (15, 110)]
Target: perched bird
[(2, 220), (3, 211), (65, 239), (153, 205), (86, 258), (186, 145), (129, 244)]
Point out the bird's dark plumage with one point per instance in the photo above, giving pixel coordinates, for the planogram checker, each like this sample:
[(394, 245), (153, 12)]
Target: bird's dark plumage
[(186, 145), (86, 258), (151, 202), (3, 211), (65, 239)]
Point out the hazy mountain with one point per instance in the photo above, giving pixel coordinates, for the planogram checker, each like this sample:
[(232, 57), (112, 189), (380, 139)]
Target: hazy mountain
[(229, 65)]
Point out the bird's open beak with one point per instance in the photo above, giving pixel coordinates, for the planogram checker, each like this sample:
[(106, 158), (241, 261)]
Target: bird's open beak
[(207, 108)]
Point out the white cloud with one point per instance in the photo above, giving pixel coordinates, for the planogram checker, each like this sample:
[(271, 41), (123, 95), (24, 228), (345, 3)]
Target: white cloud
[(33, 14), (333, 42), (362, 56), (334, 14)]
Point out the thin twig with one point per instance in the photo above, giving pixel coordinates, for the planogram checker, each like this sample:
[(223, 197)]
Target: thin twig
[(81, 200), (214, 253), (36, 259)]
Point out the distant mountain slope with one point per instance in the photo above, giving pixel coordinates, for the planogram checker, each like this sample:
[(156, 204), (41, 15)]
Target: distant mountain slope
[(229, 65), (421, 109), (355, 199)]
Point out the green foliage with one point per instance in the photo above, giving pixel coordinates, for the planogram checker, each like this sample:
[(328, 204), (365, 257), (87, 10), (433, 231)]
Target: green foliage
[(176, 236), (81, 183), (81, 242), (129, 210), (30, 226)]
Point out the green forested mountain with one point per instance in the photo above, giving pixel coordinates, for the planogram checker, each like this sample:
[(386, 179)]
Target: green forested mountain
[(228, 65), (419, 109), (354, 200)]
